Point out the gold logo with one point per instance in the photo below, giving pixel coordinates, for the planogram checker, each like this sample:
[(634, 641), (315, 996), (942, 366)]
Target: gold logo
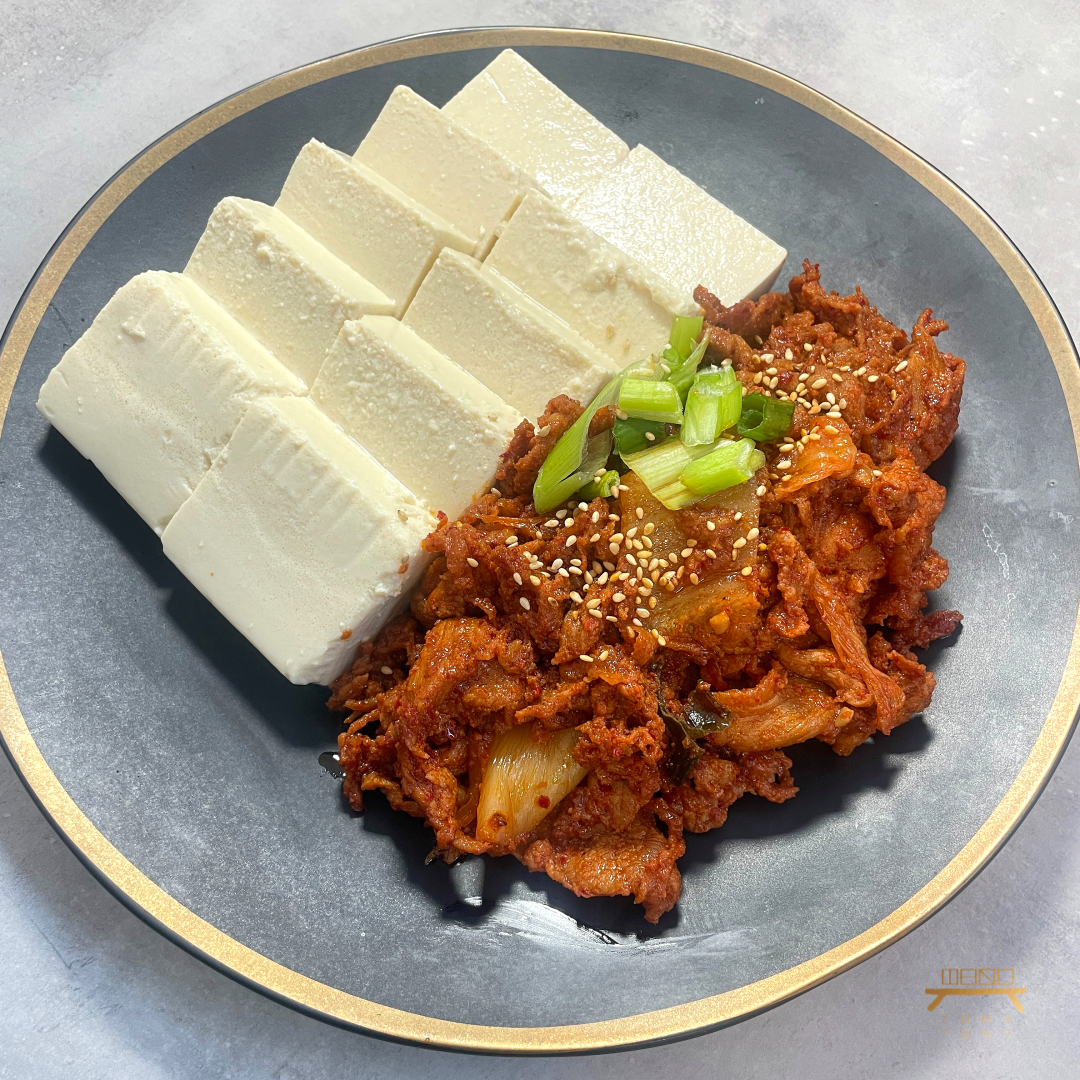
[(977, 982)]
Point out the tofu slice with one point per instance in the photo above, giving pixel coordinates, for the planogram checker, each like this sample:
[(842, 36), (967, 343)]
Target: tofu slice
[(431, 157), (533, 124), (366, 221), (154, 388), (504, 338), (300, 538), (280, 283), (679, 231), (426, 420), (606, 296)]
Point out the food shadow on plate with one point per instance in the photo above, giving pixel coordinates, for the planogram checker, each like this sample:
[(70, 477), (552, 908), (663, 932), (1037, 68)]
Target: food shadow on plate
[(296, 714)]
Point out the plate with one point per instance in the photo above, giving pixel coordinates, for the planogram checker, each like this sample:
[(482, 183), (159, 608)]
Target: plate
[(185, 772)]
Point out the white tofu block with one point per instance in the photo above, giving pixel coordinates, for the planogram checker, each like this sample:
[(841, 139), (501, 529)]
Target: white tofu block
[(533, 124), (382, 233), (300, 538), (154, 388), (280, 283), (667, 222), (431, 157), (606, 296), (427, 420), (504, 338)]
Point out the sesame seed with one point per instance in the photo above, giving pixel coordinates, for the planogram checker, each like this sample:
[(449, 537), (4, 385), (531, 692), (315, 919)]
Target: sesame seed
[(524, 603), (710, 553), (788, 355), (544, 431), (774, 382), (687, 552), (613, 547), (575, 570), (770, 371), (631, 533), (511, 541), (837, 377), (814, 436), (900, 366), (757, 378), (556, 564), (783, 464), (655, 574), (595, 516), (631, 560), (621, 415), (830, 398), (711, 526), (636, 622), (746, 571), (564, 573), (618, 597), (834, 413), (808, 347), (609, 567), (472, 562), (872, 378), (571, 540), (386, 671), (650, 436), (586, 657), (495, 491), (661, 639), (741, 542), (652, 601), (560, 514), (876, 472), (595, 602), (517, 578), (760, 492), (639, 513), (533, 579), (830, 430), (604, 655), (576, 597), (611, 618), (594, 538), (693, 579), (753, 534), (643, 613), (786, 447), (768, 357), (551, 523), (691, 543), (763, 547), (583, 506)]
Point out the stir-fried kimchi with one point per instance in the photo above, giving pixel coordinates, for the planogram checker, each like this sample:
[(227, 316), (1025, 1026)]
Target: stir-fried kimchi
[(579, 689)]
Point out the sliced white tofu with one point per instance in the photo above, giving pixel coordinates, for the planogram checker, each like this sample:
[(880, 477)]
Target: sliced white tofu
[(434, 426), (154, 388), (382, 233), (300, 538), (667, 222), (532, 123), (280, 283), (606, 296), (431, 157), (504, 338)]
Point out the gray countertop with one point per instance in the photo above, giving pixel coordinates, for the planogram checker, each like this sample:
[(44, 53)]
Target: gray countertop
[(988, 93)]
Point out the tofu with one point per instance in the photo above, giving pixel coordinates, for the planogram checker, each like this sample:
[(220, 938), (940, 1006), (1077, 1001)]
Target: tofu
[(515, 347), (367, 222), (606, 296), (533, 124), (280, 283), (668, 223), (154, 388), (300, 538), (425, 419), (431, 157)]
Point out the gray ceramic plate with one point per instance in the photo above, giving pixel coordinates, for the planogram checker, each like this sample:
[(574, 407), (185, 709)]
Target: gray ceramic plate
[(185, 771)]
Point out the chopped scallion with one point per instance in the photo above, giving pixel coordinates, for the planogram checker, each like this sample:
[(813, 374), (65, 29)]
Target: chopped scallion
[(604, 488), (632, 436), (765, 418), (712, 406), (731, 463), (685, 330), (682, 377), (660, 467), (644, 399)]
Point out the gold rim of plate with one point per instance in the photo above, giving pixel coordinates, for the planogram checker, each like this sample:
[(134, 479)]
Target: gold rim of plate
[(219, 949)]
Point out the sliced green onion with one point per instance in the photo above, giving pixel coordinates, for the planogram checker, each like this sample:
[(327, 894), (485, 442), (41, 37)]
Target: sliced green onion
[(644, 399), (765, 418), (660, 468), (604, 488), (563, 471), (731, 463), (682, 377), (685, 330), (633, 435), (712, 406)]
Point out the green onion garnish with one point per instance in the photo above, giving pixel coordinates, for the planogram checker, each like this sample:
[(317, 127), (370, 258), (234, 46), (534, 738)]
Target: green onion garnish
[(712, 406), (604, 488), (633, 435), (731, 463), (660, 468), (765, 418), (565, 468), (682, 376), (644, 399), (685, 330)]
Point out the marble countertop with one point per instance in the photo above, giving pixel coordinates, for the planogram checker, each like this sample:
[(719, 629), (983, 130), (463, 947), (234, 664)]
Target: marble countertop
[(988, 93)]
